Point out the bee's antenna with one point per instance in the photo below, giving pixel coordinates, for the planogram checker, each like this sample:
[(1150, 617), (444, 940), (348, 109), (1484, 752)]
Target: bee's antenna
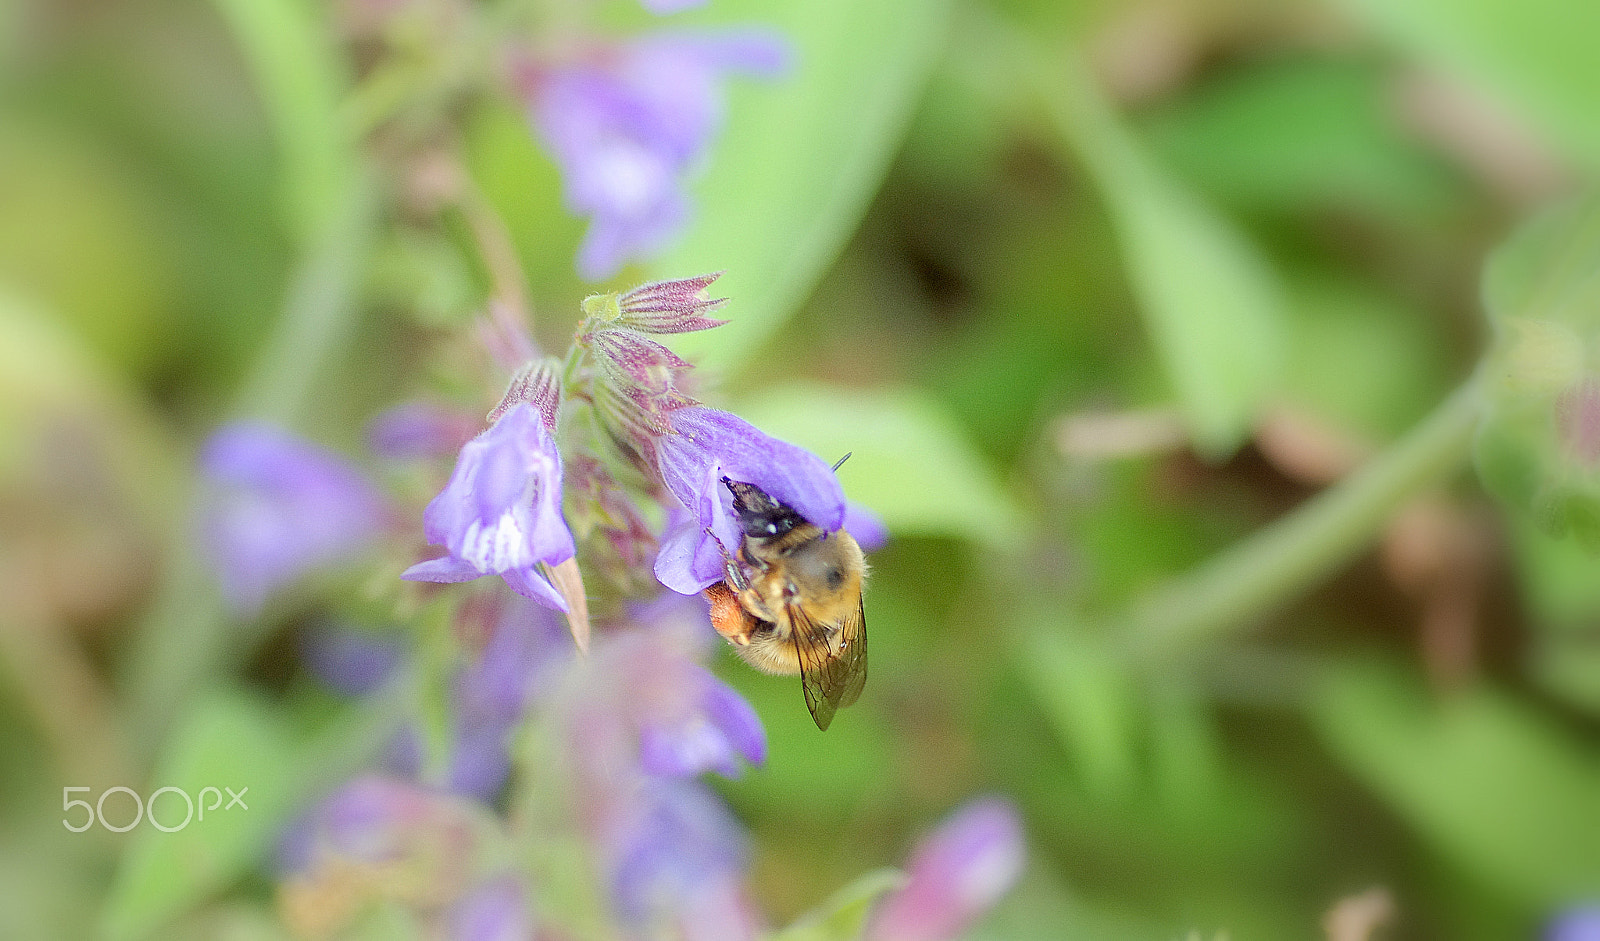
[(842, 460)]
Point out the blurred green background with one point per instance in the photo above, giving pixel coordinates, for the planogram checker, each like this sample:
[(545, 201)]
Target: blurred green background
[(1102, 296)]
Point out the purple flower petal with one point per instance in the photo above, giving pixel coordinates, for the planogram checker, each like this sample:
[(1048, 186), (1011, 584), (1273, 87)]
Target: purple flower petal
[(447, 569), (420, 430), (280, 507), (709, 444), (664, 7), (500, 514), (964, 867), (495, 911), (678, 841), (716, 727), (866, 526), (1577, 924), (352, 661), (528, 646)]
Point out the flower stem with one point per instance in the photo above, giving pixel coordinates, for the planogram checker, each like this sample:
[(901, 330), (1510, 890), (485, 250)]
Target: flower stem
[(1237, 588)]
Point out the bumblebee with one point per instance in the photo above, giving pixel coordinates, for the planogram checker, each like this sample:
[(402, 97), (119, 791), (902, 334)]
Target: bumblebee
[(791, 601)]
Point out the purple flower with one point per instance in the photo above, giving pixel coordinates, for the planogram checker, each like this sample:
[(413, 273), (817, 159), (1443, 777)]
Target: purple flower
[(664, 7), (653, 710), (280, 507), (494, 911), (677, 859), (628, 122), (528, 646), (1577, 924), (420, 430), (964, 867), (380, 820), (500, 514), (707, 445), (705, 726), (350, 660)]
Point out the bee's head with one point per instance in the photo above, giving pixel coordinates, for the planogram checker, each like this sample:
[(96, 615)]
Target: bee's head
[(760, 516)]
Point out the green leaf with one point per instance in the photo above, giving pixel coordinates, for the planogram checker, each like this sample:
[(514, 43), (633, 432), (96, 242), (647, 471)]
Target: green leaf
[(801, 157), (1535, 55), (1210, 299), (228, 741), (909, 462), (1557, 580), (1494, 786), (844, 915), (1296, 135), (1548, 271), (301, 80), (1092, 703)]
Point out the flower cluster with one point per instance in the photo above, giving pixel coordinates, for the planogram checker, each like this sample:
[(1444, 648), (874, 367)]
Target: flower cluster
[(604, 457)]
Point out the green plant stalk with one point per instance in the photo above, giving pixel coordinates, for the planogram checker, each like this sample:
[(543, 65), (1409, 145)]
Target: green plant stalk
[(188, 637), (1237, 588)]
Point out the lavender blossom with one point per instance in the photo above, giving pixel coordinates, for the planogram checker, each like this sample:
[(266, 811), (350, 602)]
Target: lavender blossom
[(420, 430), (707, 445), (1577, 924), (500, 514), (379, 839), (661, 713), (350, 660), (629, 122), (279, 508), (957, 873), (706, 727), (677, 860), (664, 7), (528, 647), (497, 910)]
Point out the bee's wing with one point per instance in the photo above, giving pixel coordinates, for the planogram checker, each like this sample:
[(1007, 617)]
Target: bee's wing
[(829, 681)]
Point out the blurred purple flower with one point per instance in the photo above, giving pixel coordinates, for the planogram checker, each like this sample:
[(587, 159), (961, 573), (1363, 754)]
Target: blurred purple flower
[(677, 860), (964, 867), (280, 507), (707, 445), (420, 430), (380, 840), (629, 122), (650, 709), (381, 820), (529, 644), (708, 727), (1577, 924), (494, 911), (500, 514), (664, 7), (350, 660)]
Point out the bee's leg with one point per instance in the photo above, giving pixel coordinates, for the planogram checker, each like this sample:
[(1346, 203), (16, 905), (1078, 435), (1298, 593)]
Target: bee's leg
[(735, 573)]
